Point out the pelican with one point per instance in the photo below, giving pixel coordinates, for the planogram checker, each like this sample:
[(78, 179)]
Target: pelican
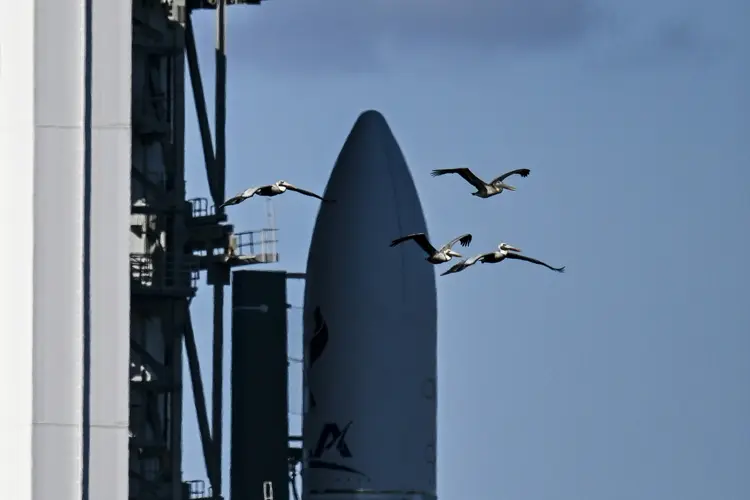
[(444, 254), (275, 189), (504, 251), (484, 190)]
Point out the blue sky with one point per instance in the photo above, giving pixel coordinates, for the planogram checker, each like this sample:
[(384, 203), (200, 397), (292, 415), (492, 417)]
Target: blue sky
[(627, 376)]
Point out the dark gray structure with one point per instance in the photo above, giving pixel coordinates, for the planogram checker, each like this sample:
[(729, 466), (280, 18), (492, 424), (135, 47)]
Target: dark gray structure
[(370, 331), (173, 243), (260, 422)]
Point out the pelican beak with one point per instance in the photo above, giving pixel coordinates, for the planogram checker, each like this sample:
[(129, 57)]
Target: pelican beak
[(514, 249), (456, 254), (510, 188)]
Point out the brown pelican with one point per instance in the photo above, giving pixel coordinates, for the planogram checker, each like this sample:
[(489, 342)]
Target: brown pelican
[(504, 251), (444, 254), (275, 189), (484, 190)]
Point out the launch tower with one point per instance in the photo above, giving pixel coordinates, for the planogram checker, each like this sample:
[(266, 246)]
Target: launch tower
[(174, 242), (108, 252)]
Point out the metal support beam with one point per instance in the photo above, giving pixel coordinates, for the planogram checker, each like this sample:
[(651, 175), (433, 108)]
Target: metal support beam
[(200, 109), (175, 400), (175, 156), (199, 398), (219, 184), (221, 99), (218, 383)]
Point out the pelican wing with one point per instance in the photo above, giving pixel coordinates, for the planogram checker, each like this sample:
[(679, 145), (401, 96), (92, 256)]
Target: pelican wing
[(239, 198), (461, 265), (467, 174), (478, 258), (456, 268), (303, 191), (465, 240), (534, 261), (420, 239), (523, 172)]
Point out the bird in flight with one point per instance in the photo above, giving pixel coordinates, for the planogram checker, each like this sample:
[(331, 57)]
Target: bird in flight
[(484, 189), (504, 251), (436, 256), (275, 189)]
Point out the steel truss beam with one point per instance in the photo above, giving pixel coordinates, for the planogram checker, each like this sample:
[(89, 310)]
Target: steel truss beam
[(214, 154), (200, 400), (200, 108)]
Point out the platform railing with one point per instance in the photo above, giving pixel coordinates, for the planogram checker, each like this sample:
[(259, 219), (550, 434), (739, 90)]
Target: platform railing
[(157, 272), (200, 207), (259, 245)]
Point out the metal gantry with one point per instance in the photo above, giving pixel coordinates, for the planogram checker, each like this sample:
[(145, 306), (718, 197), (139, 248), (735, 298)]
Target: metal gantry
[(172, 241)]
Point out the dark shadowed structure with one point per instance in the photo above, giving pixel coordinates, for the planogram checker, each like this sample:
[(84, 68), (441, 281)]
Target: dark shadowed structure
[(260, 421), (370, 331)]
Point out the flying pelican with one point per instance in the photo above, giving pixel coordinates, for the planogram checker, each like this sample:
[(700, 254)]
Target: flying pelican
[(504, 251), (275, 189), (444, 254), (484, 190)]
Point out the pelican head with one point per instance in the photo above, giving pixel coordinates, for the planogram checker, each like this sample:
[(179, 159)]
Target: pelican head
[(281, 183), (453, 253), (504, 247)]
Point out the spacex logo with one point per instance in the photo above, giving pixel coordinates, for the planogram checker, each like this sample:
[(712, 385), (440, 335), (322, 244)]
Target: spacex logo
[(330, 437), (337, 437), (332, 440)]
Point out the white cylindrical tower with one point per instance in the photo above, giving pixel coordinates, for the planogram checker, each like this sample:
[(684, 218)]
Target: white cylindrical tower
[(64, 194)]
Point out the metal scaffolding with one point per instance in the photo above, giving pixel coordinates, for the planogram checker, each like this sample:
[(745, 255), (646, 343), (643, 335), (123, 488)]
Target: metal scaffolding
[(173, 240)]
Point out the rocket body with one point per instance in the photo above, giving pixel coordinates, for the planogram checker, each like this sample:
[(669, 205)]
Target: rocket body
[(370, 328)]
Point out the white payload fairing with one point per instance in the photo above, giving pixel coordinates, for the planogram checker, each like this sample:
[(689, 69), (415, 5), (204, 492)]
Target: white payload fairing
[(370, 330)]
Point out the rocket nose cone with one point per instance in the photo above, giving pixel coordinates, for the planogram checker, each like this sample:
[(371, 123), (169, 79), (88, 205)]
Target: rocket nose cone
[(371, 118), (380, 310), (369, 164), (372, 125), (376, 199)]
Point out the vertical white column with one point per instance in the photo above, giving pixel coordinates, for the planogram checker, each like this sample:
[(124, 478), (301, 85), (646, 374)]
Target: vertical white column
[(41, 243), (16, 244), (58, 84), (110, 271)]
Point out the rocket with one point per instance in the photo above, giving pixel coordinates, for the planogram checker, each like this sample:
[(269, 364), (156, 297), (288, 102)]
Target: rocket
[(370, 331)]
